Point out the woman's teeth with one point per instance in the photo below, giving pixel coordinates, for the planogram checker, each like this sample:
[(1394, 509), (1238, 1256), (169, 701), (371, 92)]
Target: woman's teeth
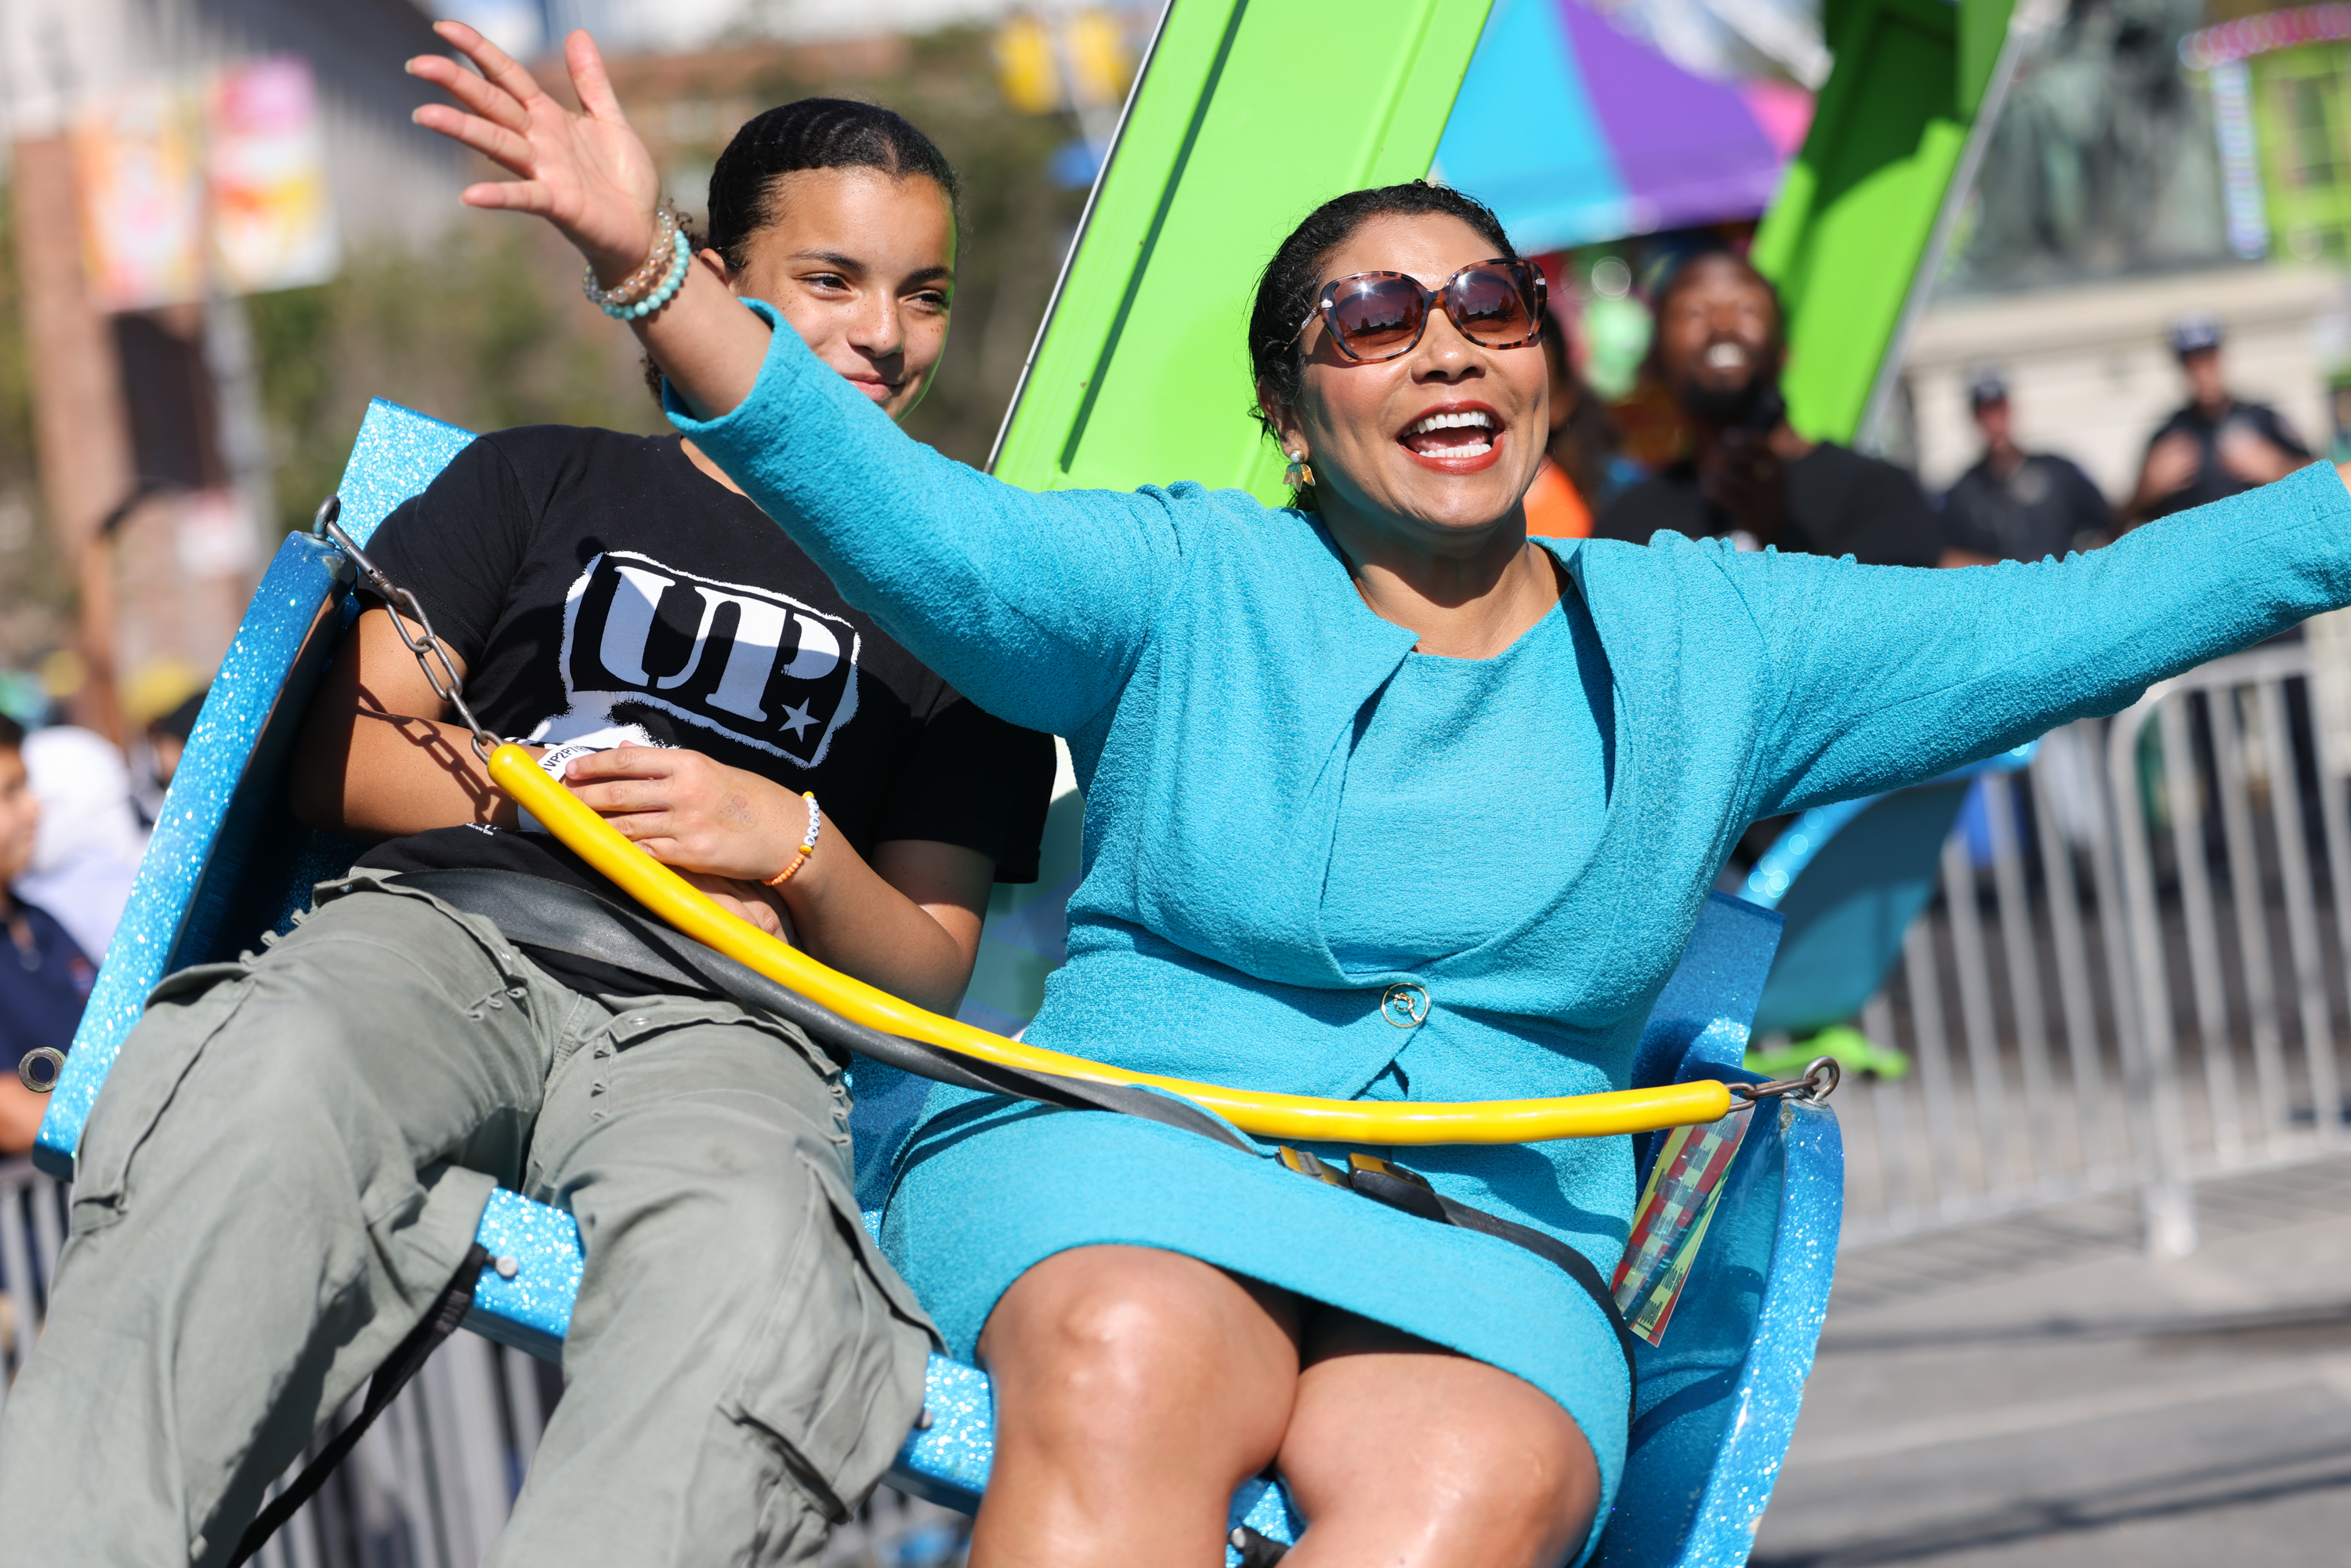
[(1462, 435)]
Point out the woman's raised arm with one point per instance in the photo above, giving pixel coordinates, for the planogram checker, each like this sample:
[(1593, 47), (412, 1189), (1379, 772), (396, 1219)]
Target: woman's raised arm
[(1034, 606), (1887, 675)]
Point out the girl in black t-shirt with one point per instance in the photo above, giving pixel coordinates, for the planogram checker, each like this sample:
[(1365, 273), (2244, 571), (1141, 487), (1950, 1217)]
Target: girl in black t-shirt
[(291, 1159), (618, 600)]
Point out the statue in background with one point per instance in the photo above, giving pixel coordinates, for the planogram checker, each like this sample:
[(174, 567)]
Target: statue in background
[(2103, 161)]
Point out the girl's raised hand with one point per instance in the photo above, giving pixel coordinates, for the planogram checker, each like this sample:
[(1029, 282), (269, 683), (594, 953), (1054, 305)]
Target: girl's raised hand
[(587, 174)]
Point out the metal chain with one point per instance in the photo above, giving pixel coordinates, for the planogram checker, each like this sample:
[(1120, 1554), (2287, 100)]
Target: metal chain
[(1822, 1075), (429, 651)]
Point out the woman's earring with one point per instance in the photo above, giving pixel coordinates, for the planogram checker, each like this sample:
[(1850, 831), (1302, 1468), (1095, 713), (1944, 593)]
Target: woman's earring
[(1298, 475)]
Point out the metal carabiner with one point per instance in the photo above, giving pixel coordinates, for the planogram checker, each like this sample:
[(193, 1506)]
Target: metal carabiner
[(1822, 1076)]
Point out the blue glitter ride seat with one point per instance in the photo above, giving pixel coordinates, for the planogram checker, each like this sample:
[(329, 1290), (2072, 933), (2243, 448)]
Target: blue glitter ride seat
[(1717, 1398), (1850, 878)]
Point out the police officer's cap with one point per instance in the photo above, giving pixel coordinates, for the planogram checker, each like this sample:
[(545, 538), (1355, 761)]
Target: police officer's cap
[(2195, 334)]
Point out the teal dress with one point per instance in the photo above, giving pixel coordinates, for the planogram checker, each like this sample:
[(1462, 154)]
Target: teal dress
[(1288, 813)]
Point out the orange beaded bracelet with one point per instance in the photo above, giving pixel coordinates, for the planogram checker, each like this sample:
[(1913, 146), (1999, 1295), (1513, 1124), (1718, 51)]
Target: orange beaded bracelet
[(808, 844)]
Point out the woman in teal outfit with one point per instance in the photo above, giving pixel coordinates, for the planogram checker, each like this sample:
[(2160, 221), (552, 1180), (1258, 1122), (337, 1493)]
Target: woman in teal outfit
[(1383, 801)]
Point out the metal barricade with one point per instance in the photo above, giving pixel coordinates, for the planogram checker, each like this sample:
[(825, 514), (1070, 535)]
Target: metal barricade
[(2133, 977), (432, 1481)]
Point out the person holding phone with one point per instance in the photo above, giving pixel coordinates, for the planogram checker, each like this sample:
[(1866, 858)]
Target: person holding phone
[(1749, 477)]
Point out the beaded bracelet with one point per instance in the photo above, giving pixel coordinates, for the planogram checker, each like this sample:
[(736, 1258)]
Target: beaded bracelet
[(656, 263), (615, 302), (681, 259), (808, 844)]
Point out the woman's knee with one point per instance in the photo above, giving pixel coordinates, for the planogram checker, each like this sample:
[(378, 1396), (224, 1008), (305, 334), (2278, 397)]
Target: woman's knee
[(1494, 1471), (1131, 1337)]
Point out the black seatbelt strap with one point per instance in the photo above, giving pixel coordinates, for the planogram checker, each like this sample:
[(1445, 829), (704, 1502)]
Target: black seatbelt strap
[(535, 912), (1384, 1181), (406, 1359)]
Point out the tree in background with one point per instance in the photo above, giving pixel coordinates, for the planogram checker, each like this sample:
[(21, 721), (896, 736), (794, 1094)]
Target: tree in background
[(35, 592)]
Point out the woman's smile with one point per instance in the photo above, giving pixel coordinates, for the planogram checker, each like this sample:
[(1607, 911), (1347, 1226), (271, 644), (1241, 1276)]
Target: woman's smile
[(1455, 437)]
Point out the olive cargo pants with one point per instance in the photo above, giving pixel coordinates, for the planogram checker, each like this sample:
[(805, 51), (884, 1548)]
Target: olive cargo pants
[(286, 1166)]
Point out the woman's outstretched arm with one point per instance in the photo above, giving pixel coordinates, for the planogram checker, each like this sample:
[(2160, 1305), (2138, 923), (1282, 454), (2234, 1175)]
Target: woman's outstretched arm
[(1034, 606), (1887, 675)]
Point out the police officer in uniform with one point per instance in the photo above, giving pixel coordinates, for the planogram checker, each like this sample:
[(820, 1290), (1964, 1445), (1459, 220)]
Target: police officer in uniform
[(2215, 447), (2015, 505)]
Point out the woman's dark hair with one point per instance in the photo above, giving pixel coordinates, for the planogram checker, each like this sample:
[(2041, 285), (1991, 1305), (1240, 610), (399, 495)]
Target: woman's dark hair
[(1292, 280), (812, 134), (11, 734)]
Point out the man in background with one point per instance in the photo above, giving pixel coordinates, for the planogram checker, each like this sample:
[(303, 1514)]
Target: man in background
[(45, 978), (2015, 505), (2214, 447), (1749, 477)]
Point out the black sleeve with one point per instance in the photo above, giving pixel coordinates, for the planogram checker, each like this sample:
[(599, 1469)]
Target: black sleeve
[(1887, 520), (1655, 503), (2092, 512), (1963, 525), (976, 781), (2274, 427), (460, 545)]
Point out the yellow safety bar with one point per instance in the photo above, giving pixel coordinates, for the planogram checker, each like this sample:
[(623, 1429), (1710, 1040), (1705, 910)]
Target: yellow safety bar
[(1288, 1116)]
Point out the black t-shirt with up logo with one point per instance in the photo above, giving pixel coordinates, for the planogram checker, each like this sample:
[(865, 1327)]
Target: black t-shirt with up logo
[(601, 588)]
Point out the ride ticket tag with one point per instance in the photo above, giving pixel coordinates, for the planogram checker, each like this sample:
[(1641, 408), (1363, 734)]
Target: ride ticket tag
[(560, 755), (1669, 1226)]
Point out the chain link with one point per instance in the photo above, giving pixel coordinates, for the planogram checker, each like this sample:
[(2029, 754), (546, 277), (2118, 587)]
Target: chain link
[(1822, 1075), (431, 654)]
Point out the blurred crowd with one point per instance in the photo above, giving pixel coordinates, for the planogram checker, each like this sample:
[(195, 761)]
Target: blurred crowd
[(75, 813), (1737, 469)]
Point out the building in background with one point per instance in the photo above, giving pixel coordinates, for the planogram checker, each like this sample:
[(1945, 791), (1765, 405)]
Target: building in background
[(2148, 163), (167, 158)]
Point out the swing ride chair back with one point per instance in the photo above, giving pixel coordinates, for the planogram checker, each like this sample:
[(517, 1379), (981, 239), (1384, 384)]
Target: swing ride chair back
[(1717, 1396), (1849, 879)]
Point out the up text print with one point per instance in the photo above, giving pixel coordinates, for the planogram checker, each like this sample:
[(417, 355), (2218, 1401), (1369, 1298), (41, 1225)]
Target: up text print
[(747, 662)]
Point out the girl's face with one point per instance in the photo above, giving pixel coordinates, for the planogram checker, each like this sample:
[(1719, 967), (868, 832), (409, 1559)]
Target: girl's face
[(863, 264), (1366, 427)]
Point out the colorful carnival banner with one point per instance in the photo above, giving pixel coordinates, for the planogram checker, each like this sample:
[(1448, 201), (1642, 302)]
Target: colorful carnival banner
[(1575, 133), (138, 163), (216, 187), (272, 226)]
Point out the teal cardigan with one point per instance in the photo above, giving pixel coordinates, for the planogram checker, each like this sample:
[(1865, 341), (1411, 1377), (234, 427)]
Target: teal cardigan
[(1206, 656)]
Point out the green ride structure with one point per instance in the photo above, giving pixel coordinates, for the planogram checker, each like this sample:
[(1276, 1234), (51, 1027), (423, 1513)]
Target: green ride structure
[(1246, 115)]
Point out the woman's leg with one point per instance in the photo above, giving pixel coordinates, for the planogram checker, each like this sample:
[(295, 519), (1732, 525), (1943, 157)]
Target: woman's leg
[(1134, 1390), (1404, 1453)]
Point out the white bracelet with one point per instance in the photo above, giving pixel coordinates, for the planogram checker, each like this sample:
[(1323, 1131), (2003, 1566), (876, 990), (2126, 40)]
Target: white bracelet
[(808, 844)]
